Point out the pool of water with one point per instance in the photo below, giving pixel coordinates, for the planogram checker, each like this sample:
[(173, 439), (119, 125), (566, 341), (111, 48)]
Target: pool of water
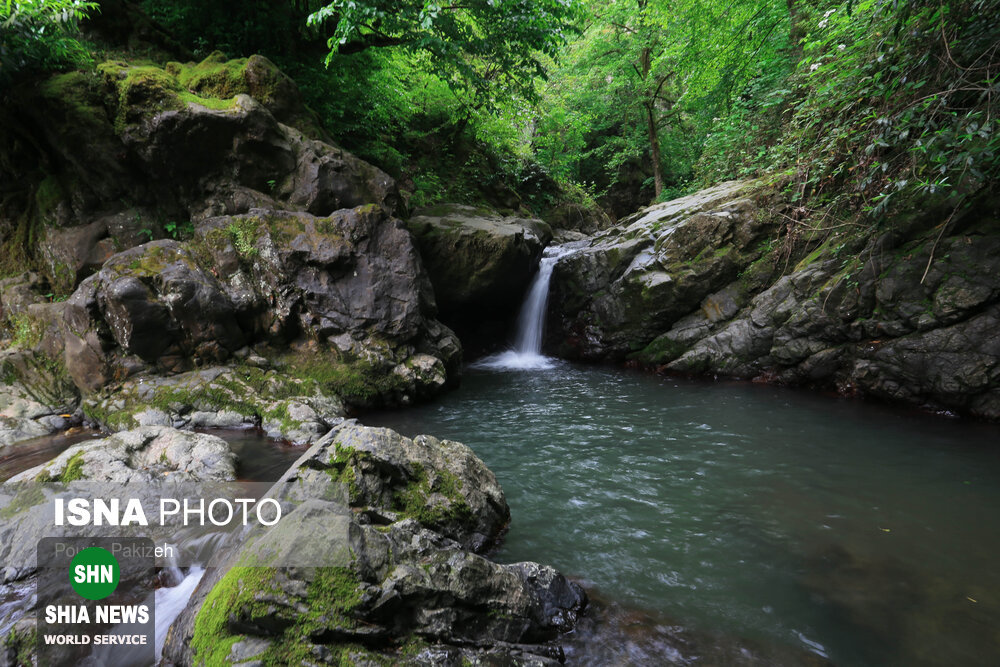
[(707, 515), (36, 451), (262, 459)]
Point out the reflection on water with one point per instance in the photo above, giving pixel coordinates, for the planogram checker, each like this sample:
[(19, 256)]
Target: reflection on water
[(842, 529), (36, 451), (261, 459)]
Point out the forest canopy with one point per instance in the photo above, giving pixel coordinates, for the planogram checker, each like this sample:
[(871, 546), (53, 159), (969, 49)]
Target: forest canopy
[(857, 103)]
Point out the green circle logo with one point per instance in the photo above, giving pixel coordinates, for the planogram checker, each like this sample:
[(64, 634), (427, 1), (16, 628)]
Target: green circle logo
[(93, 573)]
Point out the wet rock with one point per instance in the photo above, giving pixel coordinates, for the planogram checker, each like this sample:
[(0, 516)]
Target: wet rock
[(477, 256)]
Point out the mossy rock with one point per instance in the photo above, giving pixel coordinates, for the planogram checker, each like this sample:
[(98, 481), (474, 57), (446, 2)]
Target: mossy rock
[(80, 94), (216, 78), (249, 596)]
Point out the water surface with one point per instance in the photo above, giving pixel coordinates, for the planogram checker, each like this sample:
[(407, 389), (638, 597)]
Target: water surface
[(706, 514)]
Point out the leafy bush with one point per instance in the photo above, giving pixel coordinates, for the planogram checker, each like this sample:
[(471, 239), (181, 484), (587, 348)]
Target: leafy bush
[(40, 34)]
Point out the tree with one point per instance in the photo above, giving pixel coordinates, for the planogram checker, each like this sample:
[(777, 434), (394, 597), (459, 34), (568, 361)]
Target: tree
[(659, 71), (482, 47)]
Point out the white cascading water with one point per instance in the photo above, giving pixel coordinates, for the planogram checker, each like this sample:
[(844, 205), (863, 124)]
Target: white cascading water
[(170, 602), (527, 352)]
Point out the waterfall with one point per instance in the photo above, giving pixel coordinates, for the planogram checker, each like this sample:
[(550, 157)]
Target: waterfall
[(527, 351)]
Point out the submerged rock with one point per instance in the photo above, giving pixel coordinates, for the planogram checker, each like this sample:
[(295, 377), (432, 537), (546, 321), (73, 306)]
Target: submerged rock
[(399, 521)]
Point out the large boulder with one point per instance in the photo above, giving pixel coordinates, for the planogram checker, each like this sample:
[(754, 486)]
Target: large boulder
[(697, 285), (350, 282), (138, 151), (388, 528), (871, 328), (618, 290), (477, 258)]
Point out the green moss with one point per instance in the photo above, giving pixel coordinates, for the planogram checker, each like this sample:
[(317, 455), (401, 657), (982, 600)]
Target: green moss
[(47, 196), (79, 94), (356, 381), (19, 646), (236, 591), (208, 102), (214, 76), (661, 350), (26, 498), (150, 262), (245, 390), (26, 331), (331, 595), (73, 470), (413, 499), (42, 377), (142, 91), (343, 470), (243, 233)]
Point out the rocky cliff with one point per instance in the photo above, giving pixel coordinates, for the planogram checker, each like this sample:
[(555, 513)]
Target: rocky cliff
[(166, 218), (728, 282)]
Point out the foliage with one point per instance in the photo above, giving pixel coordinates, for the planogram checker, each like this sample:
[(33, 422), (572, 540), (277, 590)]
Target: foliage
[(484, 48), (645, 82), (40, 34), (899, 101)]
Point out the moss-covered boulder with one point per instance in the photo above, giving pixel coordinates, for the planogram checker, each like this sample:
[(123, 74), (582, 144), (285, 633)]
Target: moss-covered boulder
[(702, 285), (137, 150), (382, 531), (348, 286)]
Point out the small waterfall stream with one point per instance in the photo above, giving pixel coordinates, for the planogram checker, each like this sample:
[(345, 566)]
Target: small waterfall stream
[(527, 351)]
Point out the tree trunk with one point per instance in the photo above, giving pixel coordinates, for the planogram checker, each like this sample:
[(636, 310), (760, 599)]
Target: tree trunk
[(654, 147)]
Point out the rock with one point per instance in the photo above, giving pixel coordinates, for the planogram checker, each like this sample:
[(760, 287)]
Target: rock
[(578, 218), (190, 141), (618, 291), (35, 396), (380, 511), (439, 482), (477, 258), (221, 397), (351, 280), (18, 292), (146, 464), (687, 287), (139, 456), (14, 429)]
